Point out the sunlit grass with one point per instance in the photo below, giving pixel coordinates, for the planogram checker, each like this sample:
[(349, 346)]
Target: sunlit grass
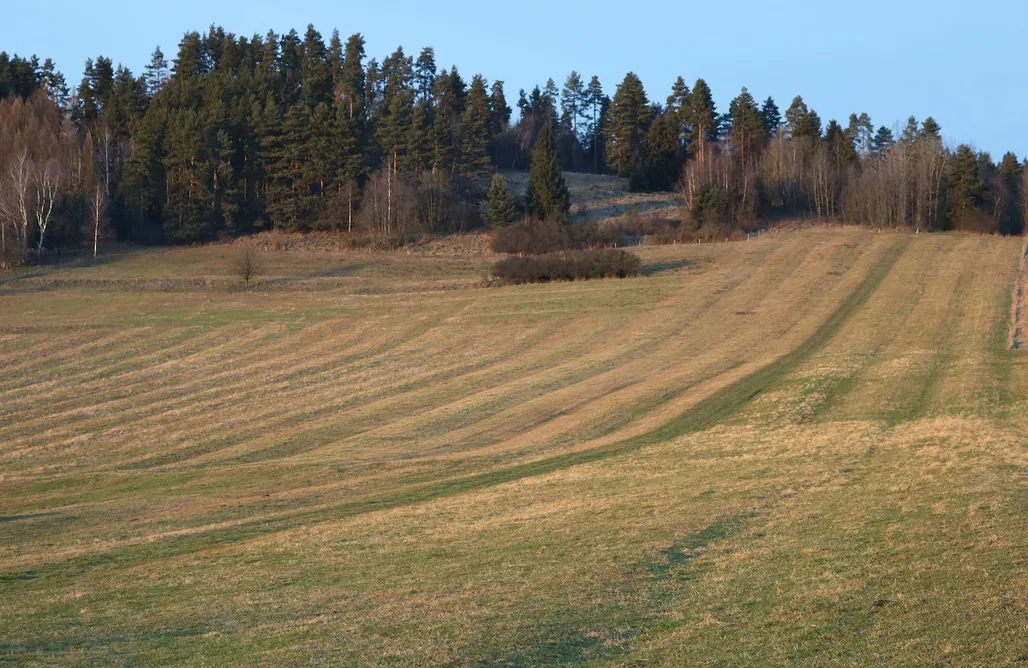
[(806, 448)]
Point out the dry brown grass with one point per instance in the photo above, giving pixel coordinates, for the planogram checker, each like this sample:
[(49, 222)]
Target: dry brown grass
[(372, 459)]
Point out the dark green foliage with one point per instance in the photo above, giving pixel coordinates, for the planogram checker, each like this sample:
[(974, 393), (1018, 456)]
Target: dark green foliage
[(861, 132), (572, 266), (883, 140), (18, 76), (802, 123), (242, 134), (968, 188), (450, 93), (841, 145), (500, 209), (662, 164), (930, 128), (475, 130), (629, 119), (771, 116), (748, 131), (703, 120), (547, 195)]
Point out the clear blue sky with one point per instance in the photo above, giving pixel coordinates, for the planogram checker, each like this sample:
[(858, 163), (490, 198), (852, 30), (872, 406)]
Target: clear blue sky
[(962, 62)]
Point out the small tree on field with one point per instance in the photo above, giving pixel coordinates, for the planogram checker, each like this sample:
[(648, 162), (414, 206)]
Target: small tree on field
[(246, 262), (500, 209)]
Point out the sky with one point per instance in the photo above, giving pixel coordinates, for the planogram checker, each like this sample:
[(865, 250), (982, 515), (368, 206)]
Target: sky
[(964, 63)]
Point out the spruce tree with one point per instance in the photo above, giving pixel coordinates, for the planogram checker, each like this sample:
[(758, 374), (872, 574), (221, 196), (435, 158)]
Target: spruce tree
[(629, 118), (498, 108), (500, 209), (547, 195), (771, 116), (475, 133), (931, 128)]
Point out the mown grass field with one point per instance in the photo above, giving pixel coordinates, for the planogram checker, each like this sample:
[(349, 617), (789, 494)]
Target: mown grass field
[(803, 449)]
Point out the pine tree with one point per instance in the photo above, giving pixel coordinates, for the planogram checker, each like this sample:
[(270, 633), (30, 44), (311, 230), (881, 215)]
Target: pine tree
[(500, 209), (352, 79), (424, 74), (861, 132), (911, 131), (449, 113), (840, 144), (420, 137), (663, 162), (315, 71), (703, 120), (629, 118), (802, 123), (547, 195), (748, 133), (883, 141), (53, 84), (930, 128), (156, 72), (599, 104), (967, 186), (572, 98), (334, 57), (678, 110), (475, 133)]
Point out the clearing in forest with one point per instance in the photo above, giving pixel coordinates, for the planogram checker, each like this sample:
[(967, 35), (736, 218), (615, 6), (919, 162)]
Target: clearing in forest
[(806, 448)]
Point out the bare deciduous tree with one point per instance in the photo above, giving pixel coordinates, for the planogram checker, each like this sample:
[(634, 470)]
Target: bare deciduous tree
[(48, 178), (14, 199), (98, 213), (246, 262)]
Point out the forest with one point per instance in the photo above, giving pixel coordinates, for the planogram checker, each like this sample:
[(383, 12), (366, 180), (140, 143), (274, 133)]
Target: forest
[(236, 135)]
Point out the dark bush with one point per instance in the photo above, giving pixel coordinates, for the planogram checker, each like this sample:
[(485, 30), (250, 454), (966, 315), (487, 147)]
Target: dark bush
[(569, 266), (535, 237)]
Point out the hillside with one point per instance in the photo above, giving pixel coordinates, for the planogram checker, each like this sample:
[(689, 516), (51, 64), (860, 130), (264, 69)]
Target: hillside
[(806, 448)]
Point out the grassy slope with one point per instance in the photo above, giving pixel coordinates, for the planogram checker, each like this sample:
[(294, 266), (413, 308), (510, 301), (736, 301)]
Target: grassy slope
[(800, 449)]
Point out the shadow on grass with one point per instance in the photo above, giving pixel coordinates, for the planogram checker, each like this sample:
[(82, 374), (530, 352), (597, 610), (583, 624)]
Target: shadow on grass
[(662, 267), (604, 632)]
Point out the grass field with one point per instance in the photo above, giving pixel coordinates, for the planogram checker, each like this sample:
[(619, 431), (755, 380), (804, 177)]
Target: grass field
[(803, 449)]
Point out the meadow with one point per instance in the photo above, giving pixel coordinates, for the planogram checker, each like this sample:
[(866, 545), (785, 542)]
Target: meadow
[(806, 448)]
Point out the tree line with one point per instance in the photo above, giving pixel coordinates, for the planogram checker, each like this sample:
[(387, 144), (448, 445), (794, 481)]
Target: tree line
[(239, 134)]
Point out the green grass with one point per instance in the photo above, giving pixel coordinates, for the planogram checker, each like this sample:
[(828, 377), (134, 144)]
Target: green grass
[(803, 449)]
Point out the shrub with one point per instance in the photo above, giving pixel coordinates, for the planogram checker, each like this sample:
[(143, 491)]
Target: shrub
[(570, 266), (535, 237)]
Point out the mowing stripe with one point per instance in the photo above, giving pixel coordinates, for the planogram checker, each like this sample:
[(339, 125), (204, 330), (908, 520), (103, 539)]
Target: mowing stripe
[(705, 414)]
